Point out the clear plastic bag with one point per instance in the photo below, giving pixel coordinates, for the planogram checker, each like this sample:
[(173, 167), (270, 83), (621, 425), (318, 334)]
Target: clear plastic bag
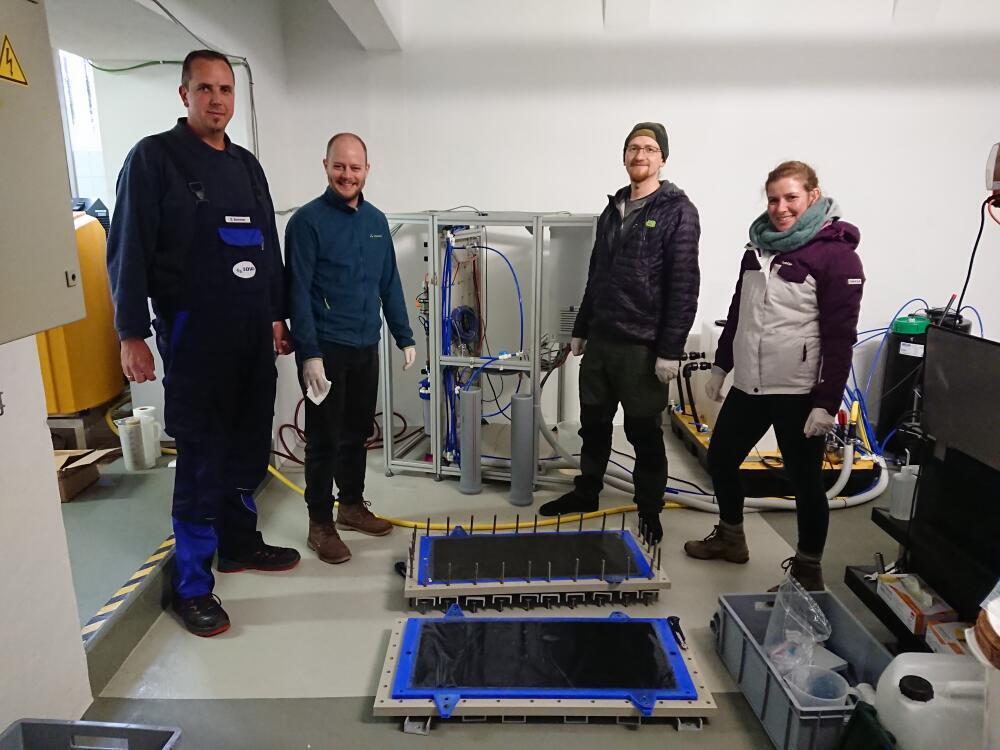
[(796, 625)]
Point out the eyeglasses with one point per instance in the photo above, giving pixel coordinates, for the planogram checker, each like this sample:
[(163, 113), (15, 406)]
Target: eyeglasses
[(648, 150)]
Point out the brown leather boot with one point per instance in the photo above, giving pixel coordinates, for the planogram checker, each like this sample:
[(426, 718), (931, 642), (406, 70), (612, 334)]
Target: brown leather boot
[(809, 573), (357, 517), (724, 543), (326, 542)]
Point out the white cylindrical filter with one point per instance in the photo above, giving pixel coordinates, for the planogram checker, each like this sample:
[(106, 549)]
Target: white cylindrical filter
[(470, 402), (901, 491), (130, 436)]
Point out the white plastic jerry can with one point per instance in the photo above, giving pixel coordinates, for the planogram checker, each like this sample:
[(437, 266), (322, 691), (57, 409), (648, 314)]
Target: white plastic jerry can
[(933, 701)]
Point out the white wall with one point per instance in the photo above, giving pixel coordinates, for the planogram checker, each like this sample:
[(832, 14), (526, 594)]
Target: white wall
[(898, 129), (142, 102), (43, 671), (541, 128), (518, 106)]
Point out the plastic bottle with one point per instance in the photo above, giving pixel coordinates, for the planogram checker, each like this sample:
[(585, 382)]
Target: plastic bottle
[(932, 701), (902, 487)]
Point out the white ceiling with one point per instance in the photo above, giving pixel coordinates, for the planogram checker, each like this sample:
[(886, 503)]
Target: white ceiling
[(114, 30), (130, 30)]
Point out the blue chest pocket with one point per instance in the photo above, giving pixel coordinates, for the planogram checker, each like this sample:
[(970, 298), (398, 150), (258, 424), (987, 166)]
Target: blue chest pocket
[(241, 236)]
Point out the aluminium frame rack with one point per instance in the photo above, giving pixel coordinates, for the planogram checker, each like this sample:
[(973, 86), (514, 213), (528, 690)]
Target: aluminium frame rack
[(431, 224)]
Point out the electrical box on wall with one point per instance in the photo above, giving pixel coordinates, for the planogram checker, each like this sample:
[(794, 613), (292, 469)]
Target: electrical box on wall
[(42, 287)]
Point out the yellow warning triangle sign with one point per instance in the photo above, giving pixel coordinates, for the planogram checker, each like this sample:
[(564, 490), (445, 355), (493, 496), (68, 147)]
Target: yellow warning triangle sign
[(10, 68)]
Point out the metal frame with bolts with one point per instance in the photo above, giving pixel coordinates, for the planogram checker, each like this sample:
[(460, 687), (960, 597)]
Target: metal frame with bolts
[(538, 590), (432, 223), (418, 713)]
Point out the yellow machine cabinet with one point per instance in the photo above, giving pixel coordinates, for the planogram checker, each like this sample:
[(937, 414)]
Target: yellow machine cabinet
[(80, 361)]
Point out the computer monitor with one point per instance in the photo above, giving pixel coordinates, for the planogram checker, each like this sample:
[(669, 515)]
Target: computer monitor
[(961, 404)]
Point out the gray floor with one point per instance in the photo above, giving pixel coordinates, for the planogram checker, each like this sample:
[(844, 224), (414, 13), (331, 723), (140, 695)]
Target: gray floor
[(347, 723), (295, 669), (112, 527)]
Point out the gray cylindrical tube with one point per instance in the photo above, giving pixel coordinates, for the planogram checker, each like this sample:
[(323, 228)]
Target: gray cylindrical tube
[(522, 449), (470, 401)]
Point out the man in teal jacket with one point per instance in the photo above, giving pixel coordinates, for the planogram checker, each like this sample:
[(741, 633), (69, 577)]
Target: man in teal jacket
[(341, 268)]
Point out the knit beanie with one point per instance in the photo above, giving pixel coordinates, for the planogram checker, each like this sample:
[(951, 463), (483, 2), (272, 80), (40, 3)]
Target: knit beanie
[(654, 130)]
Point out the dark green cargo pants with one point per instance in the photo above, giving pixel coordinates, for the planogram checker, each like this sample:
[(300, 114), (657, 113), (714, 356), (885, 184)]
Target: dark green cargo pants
[(615, 373)]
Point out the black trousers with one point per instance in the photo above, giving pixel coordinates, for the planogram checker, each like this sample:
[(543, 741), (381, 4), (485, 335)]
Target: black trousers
[(337, 429), (613, 373), (742, 422)]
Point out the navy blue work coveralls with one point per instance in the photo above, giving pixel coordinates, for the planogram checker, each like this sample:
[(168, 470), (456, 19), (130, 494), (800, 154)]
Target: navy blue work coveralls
[(214, 312)]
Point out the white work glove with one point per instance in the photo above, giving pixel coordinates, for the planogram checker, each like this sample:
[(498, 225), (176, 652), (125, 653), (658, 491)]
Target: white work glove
[(818, 423), (666, 369), (713, 388), (314, 378), (409, 357), (577, 346)]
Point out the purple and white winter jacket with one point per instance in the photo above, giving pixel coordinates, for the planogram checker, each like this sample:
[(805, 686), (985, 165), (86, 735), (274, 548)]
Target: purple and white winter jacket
[(793, 318)]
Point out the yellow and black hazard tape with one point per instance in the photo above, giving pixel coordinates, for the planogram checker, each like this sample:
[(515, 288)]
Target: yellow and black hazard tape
[(106, 612)]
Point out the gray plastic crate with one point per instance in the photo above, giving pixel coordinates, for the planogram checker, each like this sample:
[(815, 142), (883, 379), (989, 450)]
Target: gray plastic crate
[(42, 734), (739, 627)]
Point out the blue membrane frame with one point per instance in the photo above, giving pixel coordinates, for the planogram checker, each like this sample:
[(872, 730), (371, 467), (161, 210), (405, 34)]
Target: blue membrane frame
[(642, 565), (445, 699)]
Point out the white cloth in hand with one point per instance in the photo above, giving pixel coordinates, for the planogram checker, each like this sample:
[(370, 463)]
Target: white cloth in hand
[(314, 377)]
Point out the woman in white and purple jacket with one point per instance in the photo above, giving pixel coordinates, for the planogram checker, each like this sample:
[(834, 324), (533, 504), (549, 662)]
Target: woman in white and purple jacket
[(788, 341)]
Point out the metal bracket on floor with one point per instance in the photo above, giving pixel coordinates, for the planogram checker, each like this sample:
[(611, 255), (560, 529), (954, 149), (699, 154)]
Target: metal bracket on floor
[(633, 722), (417, 725), (688, 723)]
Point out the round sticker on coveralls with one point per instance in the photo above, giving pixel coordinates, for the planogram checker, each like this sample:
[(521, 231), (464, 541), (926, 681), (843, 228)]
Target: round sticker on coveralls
[(245, 270)]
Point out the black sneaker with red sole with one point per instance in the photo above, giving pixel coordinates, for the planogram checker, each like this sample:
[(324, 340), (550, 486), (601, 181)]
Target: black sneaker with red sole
[(266, 557), (202, 615)]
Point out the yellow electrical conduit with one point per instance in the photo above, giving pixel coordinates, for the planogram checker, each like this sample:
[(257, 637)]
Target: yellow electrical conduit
[(408, 524)]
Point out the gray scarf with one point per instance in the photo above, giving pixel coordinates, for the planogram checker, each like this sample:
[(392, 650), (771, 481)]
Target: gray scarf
[(766, 237)]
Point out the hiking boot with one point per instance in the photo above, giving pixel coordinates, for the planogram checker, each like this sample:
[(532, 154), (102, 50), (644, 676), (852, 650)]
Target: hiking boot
[(650, 528), (571, 502), (809, 573), (326, 542), (265, 557), (724, 543), (357, 517), (202, 615)]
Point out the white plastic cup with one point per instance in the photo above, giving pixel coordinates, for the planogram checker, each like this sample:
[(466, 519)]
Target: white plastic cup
[(130, 437), (816, 687), (902, 488)]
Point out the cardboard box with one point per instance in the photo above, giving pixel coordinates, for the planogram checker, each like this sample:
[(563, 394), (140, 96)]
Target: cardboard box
[(915, 617), (947, 637), (77, 470)]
